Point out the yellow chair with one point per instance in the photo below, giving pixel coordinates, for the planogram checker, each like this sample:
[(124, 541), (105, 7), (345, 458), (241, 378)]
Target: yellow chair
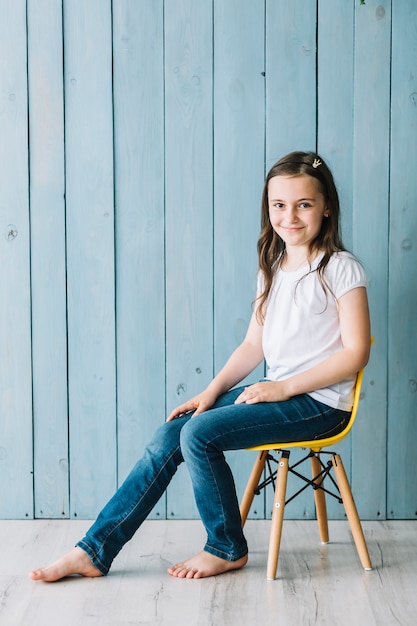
[(278, 478)]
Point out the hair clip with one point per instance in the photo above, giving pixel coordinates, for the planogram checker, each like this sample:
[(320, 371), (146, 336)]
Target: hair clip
[(316, 163)]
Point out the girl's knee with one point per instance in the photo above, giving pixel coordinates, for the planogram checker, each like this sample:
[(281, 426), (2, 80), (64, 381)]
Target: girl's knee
[(168, 432), (195, 433), (187, 433)]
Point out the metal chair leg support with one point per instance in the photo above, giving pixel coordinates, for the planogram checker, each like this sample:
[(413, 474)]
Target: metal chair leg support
[(277, 516), (351, 512), (320, 501)]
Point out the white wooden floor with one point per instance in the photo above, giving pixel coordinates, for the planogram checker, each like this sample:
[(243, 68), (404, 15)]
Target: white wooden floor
[(317, 584)]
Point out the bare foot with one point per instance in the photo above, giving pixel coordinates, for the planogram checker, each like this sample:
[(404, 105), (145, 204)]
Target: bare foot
[(205, 564), (74, 562)]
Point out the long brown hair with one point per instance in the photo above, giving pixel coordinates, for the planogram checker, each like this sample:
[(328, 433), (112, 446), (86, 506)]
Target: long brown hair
[(271, 247)]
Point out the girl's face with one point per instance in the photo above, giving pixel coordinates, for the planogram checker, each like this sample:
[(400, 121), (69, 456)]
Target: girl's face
[(296, 209)]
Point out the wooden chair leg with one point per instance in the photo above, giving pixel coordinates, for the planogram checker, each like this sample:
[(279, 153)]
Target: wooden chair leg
[(351, 512), (320, 501), (277, 516), (253, 482)]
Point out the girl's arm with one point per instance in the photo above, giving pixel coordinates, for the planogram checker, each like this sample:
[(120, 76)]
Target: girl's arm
[(355, 332), (247, 356)]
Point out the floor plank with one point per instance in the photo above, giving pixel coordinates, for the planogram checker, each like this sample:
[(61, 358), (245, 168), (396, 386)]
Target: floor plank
[(316, 584)]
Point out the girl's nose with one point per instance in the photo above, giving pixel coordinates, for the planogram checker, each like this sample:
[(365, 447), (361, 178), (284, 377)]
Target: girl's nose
[(292, 215)]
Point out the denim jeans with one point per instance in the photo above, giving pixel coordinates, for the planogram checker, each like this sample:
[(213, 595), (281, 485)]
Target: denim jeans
[(201, 442)]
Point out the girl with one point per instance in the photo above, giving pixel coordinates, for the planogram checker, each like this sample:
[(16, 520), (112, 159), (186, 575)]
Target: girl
[(311, 325)]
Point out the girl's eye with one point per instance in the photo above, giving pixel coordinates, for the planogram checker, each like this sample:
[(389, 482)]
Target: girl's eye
[(305, 205), (278, 205)]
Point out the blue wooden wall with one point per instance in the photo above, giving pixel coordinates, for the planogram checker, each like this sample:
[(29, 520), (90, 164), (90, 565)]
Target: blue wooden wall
[(134, 140)]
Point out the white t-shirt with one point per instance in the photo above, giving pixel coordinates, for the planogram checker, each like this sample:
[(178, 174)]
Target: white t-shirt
[(301, 326)]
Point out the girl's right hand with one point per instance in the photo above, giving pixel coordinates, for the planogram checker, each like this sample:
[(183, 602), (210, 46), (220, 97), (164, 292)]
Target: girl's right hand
[(200, 403)]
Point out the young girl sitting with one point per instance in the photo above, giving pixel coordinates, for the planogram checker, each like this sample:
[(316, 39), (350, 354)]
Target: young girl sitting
[(311, 325)]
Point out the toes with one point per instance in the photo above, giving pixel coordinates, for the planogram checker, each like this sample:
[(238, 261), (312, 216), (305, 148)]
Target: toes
[(174, 569), (181, 573), (181, 570)]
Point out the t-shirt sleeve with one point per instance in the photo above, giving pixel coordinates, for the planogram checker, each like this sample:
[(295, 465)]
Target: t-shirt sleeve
[(347, 274)]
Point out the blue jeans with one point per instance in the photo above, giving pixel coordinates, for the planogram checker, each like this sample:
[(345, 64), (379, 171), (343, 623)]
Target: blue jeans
[(200, 442)]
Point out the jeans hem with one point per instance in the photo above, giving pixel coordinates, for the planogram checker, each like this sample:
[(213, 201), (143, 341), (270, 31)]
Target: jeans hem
[(93, 558), (224, 555)]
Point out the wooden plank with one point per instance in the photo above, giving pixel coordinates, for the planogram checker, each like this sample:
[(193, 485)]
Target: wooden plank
[(290, 77), (402, 361), (290, 92), (139, 183), (239, 96), (313, 579), (335, 100), (370, 234), (335, 131), (189, 213), (90, 254), (47, 205), (16, 462), (291, 27)]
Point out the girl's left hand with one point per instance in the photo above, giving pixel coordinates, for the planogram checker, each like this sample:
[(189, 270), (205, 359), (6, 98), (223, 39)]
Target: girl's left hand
[(263, 392), (200, 403)]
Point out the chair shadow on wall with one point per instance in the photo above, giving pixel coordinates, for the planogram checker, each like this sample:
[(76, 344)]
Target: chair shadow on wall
[(274, 459)]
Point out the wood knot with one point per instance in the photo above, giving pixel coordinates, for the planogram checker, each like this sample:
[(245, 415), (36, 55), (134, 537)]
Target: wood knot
[(11, 232)]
